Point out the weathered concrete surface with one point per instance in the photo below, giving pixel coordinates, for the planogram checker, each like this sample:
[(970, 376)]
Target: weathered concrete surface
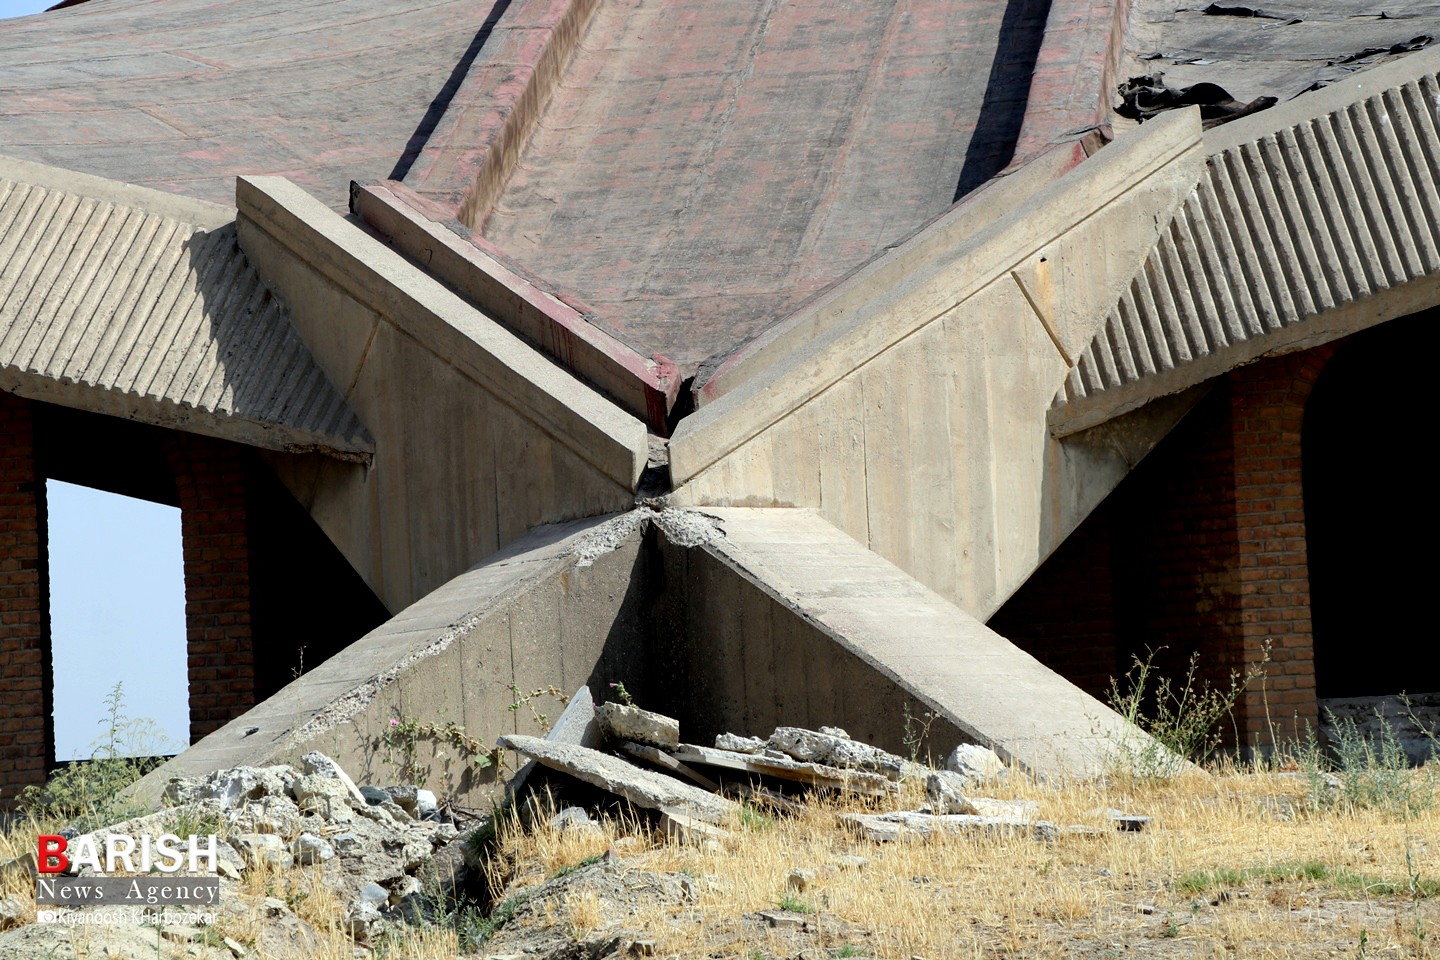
[(556, 322), (475, 144), (186, 95), (556, 607), (916, 421), (129, 302), (702, 168), (791, 621), (644, 788), (1344, 196), (478, 436)]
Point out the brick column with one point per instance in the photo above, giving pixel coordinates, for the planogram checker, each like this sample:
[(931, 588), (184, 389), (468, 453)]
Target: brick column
[(1268, 409), (210, 479), (25, 738)]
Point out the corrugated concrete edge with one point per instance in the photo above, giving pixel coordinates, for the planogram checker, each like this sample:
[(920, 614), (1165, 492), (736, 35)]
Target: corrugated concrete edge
[(114, 300), (589, 425), (1310, 222)]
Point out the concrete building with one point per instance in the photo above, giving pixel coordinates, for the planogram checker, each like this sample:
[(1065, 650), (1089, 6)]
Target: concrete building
[(812, 363)]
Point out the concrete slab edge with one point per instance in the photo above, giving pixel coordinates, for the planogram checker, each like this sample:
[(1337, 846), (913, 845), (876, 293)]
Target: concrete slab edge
[(525, 304), (1012, 754), (854, 338), (160, 412), (589, 425), (199, 213)]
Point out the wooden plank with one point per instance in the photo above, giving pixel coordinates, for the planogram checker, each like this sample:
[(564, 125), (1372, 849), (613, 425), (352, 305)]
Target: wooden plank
[(870, 784), (660, 758)]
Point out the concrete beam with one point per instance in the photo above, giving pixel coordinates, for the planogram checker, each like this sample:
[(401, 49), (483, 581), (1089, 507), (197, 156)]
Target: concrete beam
[(552, 609), (555, 323), (793, 622), (915, 419), (478, 437)]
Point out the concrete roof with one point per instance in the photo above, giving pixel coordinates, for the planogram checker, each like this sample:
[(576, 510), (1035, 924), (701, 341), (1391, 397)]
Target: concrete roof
[(1310, 220), (184, 95), (703, 168), (128, 302)]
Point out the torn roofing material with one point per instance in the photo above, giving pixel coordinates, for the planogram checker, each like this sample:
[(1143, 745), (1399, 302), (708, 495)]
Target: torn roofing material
[(1272, 48)]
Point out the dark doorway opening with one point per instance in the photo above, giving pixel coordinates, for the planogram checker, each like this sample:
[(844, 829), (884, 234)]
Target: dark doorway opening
[(1365, 442)]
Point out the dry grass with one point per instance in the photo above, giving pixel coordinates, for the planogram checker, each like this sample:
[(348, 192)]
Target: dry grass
[(1218, 873)]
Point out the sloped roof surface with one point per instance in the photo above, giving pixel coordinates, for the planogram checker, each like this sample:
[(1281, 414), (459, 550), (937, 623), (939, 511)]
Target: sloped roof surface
[(183, 95), (140, 313), (706, 166)]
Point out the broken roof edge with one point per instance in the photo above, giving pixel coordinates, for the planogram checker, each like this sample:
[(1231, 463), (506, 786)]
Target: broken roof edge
[(559, 325), (1360, 85), (590, 425), (171, 206), (847, 340)]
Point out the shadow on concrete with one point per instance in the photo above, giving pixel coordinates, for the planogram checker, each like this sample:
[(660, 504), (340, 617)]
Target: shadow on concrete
[(1007, 93), (442, 100)]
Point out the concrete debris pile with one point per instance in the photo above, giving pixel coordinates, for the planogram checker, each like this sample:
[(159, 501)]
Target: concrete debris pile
[(692, 788), (369, 842)]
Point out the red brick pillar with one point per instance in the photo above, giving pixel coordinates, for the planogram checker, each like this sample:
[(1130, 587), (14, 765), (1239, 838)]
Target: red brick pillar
[(210, 478), (1268, 409), (25, 737)]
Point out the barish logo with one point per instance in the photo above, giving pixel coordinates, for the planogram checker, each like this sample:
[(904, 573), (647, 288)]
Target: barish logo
[(123, 853)]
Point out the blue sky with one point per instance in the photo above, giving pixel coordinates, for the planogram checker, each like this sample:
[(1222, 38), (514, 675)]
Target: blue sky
[(117, 599), (117, 613), (20, 8)]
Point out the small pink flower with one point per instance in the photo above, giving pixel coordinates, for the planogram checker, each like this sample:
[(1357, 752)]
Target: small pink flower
[(394, 722)]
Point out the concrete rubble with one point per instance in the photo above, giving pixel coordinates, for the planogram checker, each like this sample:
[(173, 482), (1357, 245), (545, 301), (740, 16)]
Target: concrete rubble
[(371, 844), (386, 850)]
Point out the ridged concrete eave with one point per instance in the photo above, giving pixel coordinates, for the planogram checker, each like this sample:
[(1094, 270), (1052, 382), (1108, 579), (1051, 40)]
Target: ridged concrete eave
[(115, 305), (1300, 233)]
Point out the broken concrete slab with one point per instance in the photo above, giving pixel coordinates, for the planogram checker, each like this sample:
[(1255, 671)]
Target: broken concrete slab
[(834, 747), (906, 825), (622, 721), (815, 774), (644, 788), (976, 764)]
